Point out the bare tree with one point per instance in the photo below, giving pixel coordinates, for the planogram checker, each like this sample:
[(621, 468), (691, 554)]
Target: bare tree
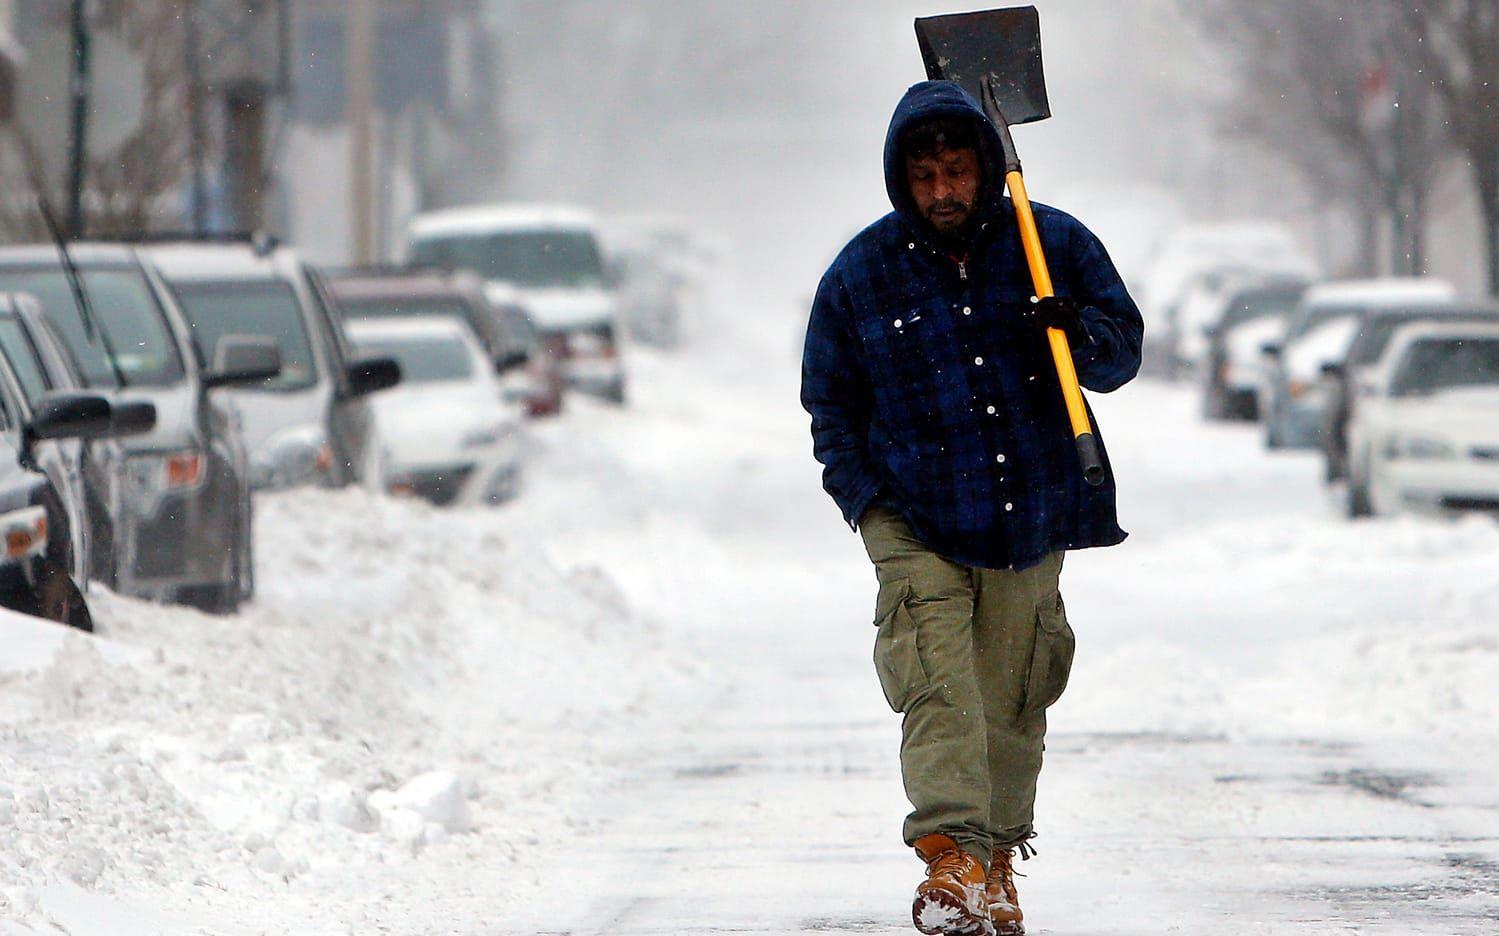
[(1313, 75), (1456, 45), (128, 188)]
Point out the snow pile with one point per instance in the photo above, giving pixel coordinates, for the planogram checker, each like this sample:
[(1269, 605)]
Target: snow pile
[(406, 676)]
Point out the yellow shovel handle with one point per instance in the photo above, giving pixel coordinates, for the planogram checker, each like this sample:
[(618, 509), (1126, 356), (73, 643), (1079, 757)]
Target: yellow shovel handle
[(1061, 354)]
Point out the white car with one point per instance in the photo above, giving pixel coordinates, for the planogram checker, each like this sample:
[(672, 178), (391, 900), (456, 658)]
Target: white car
[(450, 434), (312, 424), (1425, 434), (551, 257), (1294, 398)]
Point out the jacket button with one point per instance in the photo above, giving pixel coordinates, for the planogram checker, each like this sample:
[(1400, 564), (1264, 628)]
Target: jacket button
[(1009, 507), (978, 360), (911, 246), (899, 323), (1000, 458), (990, 410), (967, 310)]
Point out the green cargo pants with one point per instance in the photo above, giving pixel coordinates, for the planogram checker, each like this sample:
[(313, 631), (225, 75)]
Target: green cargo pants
[(972, 658)]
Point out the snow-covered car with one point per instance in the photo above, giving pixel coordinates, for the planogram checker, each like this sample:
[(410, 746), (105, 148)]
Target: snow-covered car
[(1188, 273), (186, 534), (312, 423), (659, 268), (1252, 314), (496, 316), (1294, 397), (1368, 346), (1425, 435), (551, 256), (450, 436)]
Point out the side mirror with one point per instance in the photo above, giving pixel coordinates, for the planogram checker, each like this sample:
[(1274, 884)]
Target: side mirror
[(1271, 349), (510, 360), (1332, 369), (243, 361), (72, 416), (371, 375), (1210, 331), (132, 417)]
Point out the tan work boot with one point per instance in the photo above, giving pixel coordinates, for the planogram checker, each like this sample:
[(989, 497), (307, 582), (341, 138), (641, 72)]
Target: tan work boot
[(952, 899), (1004, 903)]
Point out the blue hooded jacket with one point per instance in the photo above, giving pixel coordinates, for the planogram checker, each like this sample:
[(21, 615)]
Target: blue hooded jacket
[(928, 391)]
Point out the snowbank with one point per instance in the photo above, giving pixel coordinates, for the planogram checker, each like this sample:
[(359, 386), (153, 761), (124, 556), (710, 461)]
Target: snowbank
[(405, 677)]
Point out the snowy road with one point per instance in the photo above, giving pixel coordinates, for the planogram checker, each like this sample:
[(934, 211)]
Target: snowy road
[(651, 676), (1271, 727)]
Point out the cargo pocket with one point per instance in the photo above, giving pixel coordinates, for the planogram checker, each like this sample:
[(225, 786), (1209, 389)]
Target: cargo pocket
[(1051, 658), (895, 657)]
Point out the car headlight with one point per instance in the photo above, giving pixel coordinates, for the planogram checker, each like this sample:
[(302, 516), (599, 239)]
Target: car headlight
[(1418, 447), (24, 532), (294, 456)]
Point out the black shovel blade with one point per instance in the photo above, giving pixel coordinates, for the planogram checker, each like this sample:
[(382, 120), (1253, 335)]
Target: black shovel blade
[(1001, 45)]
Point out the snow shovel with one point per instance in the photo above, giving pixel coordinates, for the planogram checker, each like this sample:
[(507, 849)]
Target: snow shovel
[(996, 56)]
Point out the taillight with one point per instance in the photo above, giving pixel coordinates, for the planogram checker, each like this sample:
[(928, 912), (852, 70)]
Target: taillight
[(324, 462), (25, 532), (184, 469)]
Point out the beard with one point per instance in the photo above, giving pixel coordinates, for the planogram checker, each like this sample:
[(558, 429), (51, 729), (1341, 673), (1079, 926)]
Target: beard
[(949, 216)]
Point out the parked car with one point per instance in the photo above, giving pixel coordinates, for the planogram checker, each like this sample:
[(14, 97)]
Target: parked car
[(658, 269), (44, 510), (1368, 346), (186, 532), (312, 423), (1425, 435), (551, 257), (43, 367), (450, 435), (1252, 313), (1295, 397), (1195, 259), (503, 330)]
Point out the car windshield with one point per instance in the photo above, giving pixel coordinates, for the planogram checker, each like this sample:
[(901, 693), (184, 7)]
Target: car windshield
[(1435, 364), (266, 309), (536, 259), (425, 359), (1375, 333), (1248, 306), (1314, 316), (427, 307), (131, 322), (22, 355)]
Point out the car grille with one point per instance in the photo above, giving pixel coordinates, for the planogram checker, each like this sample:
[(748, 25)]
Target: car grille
[(1471, 503), (440, 486), (161, 546)]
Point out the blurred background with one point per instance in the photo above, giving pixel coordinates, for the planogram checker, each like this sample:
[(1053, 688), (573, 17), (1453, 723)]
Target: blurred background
[(404, 395)]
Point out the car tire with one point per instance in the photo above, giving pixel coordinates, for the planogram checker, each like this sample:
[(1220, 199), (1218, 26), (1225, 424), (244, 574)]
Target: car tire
[(59, 599), (219, 598), (1359, 504)]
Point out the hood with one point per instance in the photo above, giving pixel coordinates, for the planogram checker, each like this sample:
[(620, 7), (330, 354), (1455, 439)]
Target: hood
[(427, 424), (264, 415), (1243, 343), (176, 417), (925, 101), (1465, 415), (559, 309)]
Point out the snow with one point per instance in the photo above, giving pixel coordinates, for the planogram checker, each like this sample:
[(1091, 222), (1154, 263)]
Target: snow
[(639, 700), (1324, 343), (1386, 291), (481, 219)]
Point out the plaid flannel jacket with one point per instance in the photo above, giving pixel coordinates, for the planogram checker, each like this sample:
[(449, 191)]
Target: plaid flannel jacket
[(928, 392)]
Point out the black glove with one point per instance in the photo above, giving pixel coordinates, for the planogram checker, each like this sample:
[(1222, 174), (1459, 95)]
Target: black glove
[(1056, 312)]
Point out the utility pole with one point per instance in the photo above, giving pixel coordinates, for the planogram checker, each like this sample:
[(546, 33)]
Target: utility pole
[(79, 86), (360, 85), (199, 134)]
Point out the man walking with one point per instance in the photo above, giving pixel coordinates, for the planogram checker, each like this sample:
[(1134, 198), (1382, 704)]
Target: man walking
[(939, 419)]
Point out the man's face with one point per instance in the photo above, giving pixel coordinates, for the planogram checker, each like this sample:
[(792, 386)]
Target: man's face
[(945, 186)]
